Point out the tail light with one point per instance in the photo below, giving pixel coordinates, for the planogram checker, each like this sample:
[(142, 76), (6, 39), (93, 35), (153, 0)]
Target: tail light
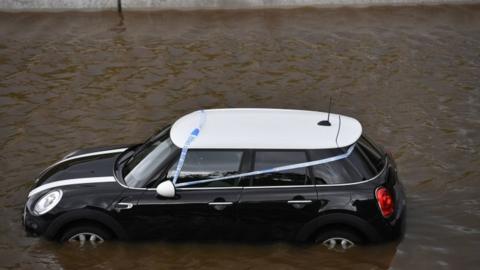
[(385, 201)]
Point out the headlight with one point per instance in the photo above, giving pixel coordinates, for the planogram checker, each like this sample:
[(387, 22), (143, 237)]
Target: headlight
[(47, 202)]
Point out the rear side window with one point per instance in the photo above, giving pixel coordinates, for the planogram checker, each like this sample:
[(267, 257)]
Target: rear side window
[(352, 169), (271, 159), (373, 152), (208, 164)]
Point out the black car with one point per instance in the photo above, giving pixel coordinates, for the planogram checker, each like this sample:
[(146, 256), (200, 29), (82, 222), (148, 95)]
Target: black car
[(227, 174)]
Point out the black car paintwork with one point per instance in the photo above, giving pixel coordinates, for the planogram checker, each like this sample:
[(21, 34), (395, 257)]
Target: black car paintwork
[(76, 198), (265, 213), (256, 213), (187, 216), (93, 166), (89, 166), (97, 197)]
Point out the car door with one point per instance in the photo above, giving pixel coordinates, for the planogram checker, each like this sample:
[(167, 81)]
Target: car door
[(198, 211), (276, 205)]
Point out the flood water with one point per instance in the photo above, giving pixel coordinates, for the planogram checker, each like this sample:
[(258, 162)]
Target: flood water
[(411, 75)]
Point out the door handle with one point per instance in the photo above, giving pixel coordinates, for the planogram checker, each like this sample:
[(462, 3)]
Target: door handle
[(299, 204), (220, 203), (219, 206), (299, 201), (123, 206)]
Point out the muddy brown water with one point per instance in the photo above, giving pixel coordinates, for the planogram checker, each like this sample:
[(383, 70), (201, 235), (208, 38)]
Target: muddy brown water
[(411, 75)]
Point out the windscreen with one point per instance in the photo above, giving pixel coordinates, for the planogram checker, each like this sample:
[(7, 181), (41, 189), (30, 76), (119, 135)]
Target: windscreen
[(145, 164)]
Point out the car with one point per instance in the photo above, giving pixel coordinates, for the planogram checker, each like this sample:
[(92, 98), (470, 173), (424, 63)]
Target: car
[(228, 175)]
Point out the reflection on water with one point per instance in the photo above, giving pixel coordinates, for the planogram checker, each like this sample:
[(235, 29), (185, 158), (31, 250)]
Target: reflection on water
[(207, 256), (409, 74)]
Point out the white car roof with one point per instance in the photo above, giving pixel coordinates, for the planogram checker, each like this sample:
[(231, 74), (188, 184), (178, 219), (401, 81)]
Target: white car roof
[(265, 129)]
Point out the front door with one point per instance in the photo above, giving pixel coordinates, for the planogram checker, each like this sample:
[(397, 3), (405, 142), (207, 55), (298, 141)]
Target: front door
[(205, 211), (194, 214)]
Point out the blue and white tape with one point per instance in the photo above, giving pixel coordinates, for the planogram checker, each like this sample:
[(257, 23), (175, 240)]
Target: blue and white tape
[(276, 169), (194, 134)]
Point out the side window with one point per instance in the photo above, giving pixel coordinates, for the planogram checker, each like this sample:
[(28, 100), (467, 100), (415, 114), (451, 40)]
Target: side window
[(208, 164), (271, 159), (352, 169)]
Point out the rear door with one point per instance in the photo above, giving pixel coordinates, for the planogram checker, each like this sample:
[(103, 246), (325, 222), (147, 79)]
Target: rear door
[(276, 205)]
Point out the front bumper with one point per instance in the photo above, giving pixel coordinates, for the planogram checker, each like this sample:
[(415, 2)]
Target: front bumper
[(34, 225)]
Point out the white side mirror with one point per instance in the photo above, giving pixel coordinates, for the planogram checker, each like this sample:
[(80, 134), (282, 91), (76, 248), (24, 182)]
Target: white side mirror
[(166, 189)]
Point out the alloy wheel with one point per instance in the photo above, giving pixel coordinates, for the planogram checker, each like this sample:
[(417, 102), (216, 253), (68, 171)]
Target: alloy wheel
[(338, 243), (86, 237)]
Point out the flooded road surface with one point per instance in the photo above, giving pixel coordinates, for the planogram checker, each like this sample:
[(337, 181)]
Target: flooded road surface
[(411, 75)]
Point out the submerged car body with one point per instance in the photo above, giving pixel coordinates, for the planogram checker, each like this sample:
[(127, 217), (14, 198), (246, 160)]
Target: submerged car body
[(329, 183)]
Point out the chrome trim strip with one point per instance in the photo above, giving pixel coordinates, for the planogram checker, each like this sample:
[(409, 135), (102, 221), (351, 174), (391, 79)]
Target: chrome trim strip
[(208, 188), (127, 187), (292, 186)]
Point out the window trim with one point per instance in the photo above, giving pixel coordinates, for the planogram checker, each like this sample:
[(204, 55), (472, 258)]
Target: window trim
[(247, 165), (287, 186), (385, 165)]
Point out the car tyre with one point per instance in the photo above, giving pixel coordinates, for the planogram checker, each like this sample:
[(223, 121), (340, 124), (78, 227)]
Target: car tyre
[(338, 239), (85, 234)]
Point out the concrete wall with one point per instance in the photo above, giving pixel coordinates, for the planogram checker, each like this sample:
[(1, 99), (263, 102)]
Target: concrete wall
[(44, 5), (57, 4)]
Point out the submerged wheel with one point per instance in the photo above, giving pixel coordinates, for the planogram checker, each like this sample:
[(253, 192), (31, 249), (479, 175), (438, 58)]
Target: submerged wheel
[(85, 235), (338, 240)]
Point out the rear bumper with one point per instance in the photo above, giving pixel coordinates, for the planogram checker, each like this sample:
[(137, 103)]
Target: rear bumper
[(390, 229), (399, 222), (400, 226)]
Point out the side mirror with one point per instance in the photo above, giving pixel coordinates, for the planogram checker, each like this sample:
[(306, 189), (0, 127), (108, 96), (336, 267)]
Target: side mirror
[(166, 189)]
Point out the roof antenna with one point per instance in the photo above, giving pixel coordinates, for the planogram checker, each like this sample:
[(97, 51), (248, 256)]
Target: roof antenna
[(326, 123)]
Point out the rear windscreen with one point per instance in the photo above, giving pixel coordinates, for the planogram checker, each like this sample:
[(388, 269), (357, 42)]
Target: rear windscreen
[(362, 164), (373, 152)]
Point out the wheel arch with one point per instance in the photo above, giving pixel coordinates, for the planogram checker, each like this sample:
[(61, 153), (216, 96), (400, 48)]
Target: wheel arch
[(82, 216), (336, 220)]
